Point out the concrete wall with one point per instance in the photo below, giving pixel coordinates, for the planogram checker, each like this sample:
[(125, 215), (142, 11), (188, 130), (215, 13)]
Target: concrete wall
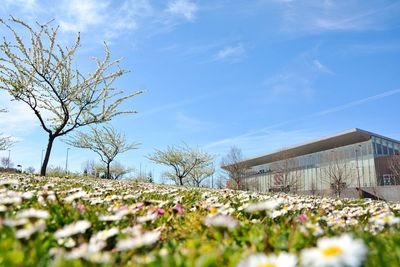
[(388, 193)]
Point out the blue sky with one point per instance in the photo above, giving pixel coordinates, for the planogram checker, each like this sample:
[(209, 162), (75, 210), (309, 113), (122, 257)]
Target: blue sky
[(257, 74)]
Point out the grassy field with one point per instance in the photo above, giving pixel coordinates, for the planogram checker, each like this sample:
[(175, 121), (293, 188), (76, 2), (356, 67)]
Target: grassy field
[(87, 222)]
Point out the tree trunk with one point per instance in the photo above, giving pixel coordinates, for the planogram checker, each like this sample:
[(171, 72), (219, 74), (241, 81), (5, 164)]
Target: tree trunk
[(108, 171), (47, 155), (180, 180)]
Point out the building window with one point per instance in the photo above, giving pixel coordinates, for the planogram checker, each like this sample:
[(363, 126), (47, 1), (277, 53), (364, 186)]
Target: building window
[(384, 150), (388, 179), (379, 149)]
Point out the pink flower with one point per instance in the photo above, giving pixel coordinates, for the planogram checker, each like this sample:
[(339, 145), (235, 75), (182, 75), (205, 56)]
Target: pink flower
[(302, 218), (80, 207), (160, 211), (178, 209), (139, 205)]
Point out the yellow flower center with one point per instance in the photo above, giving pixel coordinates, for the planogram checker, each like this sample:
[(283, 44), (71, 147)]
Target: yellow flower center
[(213, 210), (266, 264), (332, 251)]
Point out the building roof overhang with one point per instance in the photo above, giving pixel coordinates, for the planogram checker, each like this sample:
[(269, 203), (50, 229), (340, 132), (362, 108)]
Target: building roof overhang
[(345, 138)]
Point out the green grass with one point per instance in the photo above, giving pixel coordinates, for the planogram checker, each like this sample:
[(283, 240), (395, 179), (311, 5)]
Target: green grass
[(185, 239)]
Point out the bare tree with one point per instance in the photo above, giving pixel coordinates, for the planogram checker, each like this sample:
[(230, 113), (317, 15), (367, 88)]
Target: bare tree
[(143, 178), (5, 141), (338, 173), (171, 176), (56, 171), (104, 141), (313, 188), (394, 167), (182, 160), (30, 170), (235, 167), (220, 182), (201, 173), (286, 173), (6, 162), (40, 72), (116, 171), (88, 168)]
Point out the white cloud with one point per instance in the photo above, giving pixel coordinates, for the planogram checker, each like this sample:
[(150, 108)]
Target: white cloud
[(321, 16), (295, 81), (289, 86), (127, 16), (321, 67), (187, 123), (174, 105), (19, 119), (81, 14), (106, 19), (231, 53), (27, 6), (183, 8)]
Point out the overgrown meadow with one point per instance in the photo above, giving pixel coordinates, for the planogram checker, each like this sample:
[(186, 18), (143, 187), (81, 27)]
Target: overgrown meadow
[(48, 221)]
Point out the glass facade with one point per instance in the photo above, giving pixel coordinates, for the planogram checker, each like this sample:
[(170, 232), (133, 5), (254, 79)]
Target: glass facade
[(355, 162)]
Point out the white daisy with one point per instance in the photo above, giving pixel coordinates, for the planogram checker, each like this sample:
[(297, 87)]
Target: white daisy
[(335, 252), (79, 194), (146, 239), (383, 219), (104, 235), (265, 205), (262, 260), (30, 229), (72, 229), (147, 218), (221, 221), (33, 214), (3, 208)]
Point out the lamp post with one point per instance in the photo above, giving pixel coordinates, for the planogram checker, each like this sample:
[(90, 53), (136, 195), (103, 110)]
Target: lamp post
[(8, 161), (66, 162), (358, 176), (41, 160)]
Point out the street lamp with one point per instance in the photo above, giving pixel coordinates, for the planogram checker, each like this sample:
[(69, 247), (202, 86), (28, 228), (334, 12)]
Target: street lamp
[(41, 159), (358, 175), (8, 161), (66, 162)]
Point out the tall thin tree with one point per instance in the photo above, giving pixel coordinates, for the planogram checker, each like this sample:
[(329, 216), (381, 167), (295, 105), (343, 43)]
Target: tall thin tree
[(40, 72), (235, 166), (106, 142)]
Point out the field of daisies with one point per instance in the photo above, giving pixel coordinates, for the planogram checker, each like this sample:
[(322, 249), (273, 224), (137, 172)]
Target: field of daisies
[(48, 221)]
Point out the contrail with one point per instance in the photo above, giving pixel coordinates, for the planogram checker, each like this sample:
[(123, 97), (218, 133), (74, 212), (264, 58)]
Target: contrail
[(313, 115), (356, 103)]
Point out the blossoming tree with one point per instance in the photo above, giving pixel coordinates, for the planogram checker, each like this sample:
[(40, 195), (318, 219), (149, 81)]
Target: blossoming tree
[(40, 72), (183, 161), (106, 142)]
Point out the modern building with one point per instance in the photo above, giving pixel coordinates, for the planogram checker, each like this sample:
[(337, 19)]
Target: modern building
[(353, 159)]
